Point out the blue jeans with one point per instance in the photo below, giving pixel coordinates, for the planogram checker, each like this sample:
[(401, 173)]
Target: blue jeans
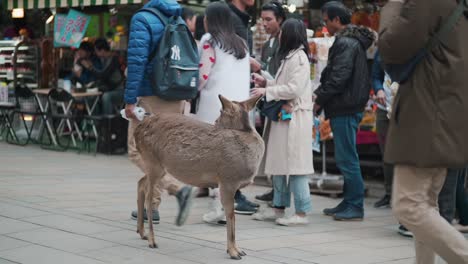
[(344, 130), (299, 186)]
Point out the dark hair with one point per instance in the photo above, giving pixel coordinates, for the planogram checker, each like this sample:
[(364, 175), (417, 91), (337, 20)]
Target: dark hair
[(277, 9), (293, 36), (101, 44), (337, 9), (87, 46), (187, 13), (221, 27), (199, 27)]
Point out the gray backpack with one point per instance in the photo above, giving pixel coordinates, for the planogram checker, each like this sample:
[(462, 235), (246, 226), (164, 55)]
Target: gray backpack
[(175, 60)]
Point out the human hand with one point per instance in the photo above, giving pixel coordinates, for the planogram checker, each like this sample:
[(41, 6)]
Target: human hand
[(255, 65), (87, 64), (380, 97), (259, 80), (257, 92), (316, 108), (129, 111), (288, 108)]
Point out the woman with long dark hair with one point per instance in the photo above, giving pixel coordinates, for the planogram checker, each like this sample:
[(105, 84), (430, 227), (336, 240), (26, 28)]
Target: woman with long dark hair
[(224, 69), (288, 156), (224, 63)]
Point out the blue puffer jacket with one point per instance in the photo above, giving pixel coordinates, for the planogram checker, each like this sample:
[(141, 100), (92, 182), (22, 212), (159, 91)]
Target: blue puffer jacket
[(145, 32)]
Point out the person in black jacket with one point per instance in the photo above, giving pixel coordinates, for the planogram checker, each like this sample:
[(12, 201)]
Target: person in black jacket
[(242, 19), (343, 94), (109, 77)]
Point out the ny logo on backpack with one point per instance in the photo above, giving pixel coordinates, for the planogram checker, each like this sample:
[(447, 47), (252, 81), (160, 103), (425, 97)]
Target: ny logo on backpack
[(175, 60)]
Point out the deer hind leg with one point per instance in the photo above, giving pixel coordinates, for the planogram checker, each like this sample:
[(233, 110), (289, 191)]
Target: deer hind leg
[(141, 193), (227, 199), (155, 174)]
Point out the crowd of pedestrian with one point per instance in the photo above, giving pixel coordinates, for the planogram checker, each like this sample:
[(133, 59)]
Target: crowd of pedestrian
[(421, 130)]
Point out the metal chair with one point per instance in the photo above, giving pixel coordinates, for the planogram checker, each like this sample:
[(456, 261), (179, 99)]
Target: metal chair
[(6, 124), (64, 120), (27, 106)]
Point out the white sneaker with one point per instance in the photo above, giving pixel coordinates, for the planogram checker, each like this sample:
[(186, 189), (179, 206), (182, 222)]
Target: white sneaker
[(215, 217), (292, 220), (267, 214)]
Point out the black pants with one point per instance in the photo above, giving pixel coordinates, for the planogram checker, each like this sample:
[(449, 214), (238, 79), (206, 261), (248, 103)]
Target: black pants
[(382, 123)]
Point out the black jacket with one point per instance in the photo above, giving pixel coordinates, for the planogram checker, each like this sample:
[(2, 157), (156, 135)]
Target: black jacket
[(345, 82), (241, 22)]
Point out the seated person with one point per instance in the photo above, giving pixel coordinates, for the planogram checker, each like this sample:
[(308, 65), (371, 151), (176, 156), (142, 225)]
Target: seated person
[(85, 53), (109, 76)]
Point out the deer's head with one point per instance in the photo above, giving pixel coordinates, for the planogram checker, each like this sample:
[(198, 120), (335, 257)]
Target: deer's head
[(235, 115)]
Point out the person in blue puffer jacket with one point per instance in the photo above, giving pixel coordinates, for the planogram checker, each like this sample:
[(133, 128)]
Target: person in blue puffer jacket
[(146, 31)]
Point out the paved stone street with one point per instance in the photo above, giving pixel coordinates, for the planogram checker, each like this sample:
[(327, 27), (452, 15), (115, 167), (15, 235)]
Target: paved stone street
[(75, 208)]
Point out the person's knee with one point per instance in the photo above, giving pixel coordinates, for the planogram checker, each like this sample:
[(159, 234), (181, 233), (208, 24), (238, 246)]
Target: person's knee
[(407, 213)]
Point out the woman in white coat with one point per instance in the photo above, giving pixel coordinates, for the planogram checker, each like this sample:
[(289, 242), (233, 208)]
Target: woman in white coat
[(288, 155)]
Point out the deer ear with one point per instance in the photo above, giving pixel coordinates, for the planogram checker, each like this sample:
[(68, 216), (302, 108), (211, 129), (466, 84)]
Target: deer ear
[(251, 102), (225, 102)]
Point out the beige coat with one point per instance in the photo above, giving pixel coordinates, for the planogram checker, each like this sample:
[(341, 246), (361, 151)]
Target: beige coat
[(428, 126), (292, 83)]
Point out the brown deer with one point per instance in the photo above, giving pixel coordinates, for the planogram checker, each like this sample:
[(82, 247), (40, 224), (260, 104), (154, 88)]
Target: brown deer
[(226, 155)]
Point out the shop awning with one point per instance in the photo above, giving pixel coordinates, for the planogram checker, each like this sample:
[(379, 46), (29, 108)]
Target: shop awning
[(33, 4)]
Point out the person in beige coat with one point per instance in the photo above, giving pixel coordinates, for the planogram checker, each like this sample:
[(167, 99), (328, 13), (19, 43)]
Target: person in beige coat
[(288, 155), (428, 130)]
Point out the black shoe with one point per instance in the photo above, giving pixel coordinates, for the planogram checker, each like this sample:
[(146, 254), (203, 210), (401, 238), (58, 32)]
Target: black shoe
[(244, 208), (145, 216), (243, 199), (266, 197), (384, 202), (351, 213), (332, 211), (184, 198), (404, 232)]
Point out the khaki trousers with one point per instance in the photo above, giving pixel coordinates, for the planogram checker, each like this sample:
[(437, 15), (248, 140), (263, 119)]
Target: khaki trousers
[(153, 104), (415, 193)]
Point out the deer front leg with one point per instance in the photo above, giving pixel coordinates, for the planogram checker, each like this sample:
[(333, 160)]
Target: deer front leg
[(149, 210), (141, 191), (227, 199)]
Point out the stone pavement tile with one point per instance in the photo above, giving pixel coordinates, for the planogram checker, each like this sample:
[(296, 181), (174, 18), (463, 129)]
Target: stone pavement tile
[(396, 253), (319, 238), (350, 258), (36, 254), (280, 259), (8, 225), (62, 240), (270, 243), (132, 239), (401, 261), (373, 232), (333, 248), (292, 253), (6, 261), (385, 242), (218, 256), (129, 255), (19, 212), (11, 243), (71, 224)]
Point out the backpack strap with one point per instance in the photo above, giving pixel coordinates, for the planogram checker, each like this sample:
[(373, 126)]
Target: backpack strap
[(164, 19), (448, 24)]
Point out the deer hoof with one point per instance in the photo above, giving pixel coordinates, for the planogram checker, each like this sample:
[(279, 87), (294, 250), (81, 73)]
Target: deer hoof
[(153, 245), (235, 254)]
